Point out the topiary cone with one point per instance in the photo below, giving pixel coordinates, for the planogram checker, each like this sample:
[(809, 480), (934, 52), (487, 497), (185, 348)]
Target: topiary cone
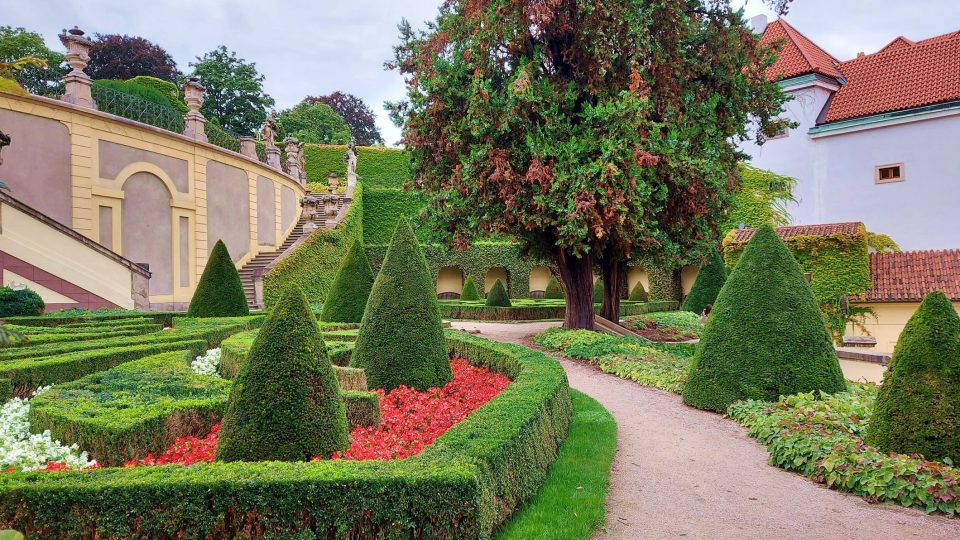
[(469, 291), (554, 291), (351, 288), (285, 404), (401, 338), (219, 292), (498, 296), (709, 281), (639, 294), (765, 337), (918, 406)]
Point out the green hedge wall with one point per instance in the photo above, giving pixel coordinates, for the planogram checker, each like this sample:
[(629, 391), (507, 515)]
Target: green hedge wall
[(322, 159), (383, 207), (383, 167), (838, 264), (313, 265), (464, 485), (454, 309)]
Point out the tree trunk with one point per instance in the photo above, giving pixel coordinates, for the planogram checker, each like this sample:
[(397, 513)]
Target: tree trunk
[(576, 278), (612, 272)]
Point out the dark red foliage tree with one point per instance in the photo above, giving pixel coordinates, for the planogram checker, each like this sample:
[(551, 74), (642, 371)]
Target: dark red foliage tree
[(357, 114), (123, 57), (593, 131)]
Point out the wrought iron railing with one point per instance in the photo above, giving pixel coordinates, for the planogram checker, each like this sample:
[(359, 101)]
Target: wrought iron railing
[(136, 108), (218, 136)]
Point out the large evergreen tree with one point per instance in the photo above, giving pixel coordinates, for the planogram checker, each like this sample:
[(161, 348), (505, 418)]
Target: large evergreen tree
[(235, 97), (918, 406), (587, 130), (285, 404), (351, 287), (220, 291), (401, 338), (765, 337)]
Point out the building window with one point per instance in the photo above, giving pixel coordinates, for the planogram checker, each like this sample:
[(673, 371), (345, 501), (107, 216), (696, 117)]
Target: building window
[(884, 174)]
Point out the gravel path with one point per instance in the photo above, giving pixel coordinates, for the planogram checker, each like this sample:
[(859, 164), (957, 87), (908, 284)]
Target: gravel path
[(682, 472)]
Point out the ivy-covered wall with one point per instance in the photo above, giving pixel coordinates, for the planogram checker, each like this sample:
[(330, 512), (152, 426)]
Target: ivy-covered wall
[(376, 167), (665, 284), (383, 208), (838, 264), (475, 262), (761, 200), (322, 159), (313, 265)]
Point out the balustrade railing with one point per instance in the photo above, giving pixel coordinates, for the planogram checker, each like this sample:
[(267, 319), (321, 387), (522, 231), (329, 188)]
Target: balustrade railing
[(136, 108)]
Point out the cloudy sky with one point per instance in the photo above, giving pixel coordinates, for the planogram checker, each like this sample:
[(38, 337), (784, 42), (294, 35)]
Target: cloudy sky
[(317, 46)]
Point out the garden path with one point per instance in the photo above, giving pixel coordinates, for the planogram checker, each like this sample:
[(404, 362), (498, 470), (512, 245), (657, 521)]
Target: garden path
[(682, 472)]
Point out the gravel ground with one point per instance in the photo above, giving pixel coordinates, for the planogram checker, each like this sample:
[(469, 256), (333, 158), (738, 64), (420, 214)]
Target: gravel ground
[(682, 472)]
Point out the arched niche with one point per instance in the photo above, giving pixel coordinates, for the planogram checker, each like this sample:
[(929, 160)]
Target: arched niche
[(539, 278), (492, 275), (147, 228), (449, 282)]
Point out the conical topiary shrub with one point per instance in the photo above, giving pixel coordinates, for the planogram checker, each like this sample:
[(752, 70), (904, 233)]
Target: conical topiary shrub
[(554, 291), (351, 288), (639, 294), (765, 337), (469, 291), (918, 406), (598, 291), (709, 281), (285, 404), (401, 338), (498, 297), (219, 293)]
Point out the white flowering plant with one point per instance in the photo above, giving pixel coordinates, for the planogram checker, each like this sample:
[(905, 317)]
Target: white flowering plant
[(207, 364), (24, 451)]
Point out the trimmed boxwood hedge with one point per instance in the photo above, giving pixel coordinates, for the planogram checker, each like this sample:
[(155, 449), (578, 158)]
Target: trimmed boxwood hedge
[(498, 296), (709, 281), (68, 318), (219, 292), (469, 293), (351, 288), (456, 309), (765, 337), (285, 404), (554, 291), (135, 408), (639, 294), (382, 209), (376, 167), (21, 302), (322, 159), (464, 485), (918, 406)]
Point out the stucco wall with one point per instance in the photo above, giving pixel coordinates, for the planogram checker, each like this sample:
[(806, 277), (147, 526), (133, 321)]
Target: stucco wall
[(79, 163), (449, 280), (228, 213), (36, 165), (636, 274), (539, 278), (491, 277), (891, 318)]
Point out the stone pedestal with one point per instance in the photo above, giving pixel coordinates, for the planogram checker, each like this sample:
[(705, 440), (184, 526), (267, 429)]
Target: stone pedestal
[(194, 122), (292, 146), (77, 83), (248, 147), (273, 156)]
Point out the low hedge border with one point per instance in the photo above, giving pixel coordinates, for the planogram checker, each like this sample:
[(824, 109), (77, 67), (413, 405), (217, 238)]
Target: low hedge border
[(233, 351), (462, 486), (453, 310), (159, 317)]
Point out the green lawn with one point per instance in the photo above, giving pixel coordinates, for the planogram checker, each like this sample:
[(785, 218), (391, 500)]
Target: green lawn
[(572, 502)]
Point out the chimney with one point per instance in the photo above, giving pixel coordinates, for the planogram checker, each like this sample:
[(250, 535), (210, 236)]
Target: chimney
[(860, 54), (758, 23)]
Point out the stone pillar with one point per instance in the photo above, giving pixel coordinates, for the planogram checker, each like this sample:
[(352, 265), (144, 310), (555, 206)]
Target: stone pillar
[(194, 122), (273, 155), (293, 157), (248, 147), (76, 82), (332, 183)]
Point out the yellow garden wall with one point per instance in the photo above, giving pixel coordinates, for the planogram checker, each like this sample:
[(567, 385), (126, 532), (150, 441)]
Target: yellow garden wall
[(891, 318), (129, 180)]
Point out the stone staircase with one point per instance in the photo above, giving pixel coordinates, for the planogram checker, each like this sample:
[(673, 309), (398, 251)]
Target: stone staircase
[(255, 268)]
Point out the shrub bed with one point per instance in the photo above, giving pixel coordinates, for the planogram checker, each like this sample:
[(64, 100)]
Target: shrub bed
[(462, 486), (666, 325)]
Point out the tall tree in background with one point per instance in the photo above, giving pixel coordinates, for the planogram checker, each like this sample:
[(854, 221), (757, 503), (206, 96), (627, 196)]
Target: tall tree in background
[(591, 131), (235, 95), (16, 43), (314, 123), (124, 57), (357, 114)]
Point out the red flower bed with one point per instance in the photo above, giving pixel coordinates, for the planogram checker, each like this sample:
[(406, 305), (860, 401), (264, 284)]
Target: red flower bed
[(411, 420)]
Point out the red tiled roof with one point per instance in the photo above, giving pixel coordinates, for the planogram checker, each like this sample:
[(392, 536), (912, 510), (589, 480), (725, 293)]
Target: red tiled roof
[(798, 55), (898, 43), (911, 275), (851, 228), (900, 76)]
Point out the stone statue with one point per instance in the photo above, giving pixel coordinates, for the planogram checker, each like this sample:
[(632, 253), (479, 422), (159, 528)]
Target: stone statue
[(268, 131), (351, 158), (301, 162)]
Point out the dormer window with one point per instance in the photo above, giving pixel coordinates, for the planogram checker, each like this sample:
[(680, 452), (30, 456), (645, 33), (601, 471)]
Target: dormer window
[(885, 174)]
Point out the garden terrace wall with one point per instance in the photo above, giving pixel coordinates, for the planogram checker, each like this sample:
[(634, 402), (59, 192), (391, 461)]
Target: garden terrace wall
[(376, 167), (462, 486), (456, 310)]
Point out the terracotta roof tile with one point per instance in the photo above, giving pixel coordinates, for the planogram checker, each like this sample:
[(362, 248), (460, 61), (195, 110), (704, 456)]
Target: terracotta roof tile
[(911, 275), (852, 228), (898, 42), (899, 77), (798, 55)]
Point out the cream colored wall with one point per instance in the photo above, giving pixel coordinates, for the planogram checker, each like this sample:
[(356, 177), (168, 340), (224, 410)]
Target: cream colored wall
[(67, 258), (90, 130), (857, 371), (688, 276), (493, 274), (891, 318), (449, 280), (539, 278), (636, 274)]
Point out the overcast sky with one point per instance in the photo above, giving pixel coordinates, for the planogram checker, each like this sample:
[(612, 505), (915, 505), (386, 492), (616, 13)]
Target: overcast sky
[(313, 47)]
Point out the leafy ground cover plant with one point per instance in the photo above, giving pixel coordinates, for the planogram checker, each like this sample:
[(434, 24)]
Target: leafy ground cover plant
[(666, 325)]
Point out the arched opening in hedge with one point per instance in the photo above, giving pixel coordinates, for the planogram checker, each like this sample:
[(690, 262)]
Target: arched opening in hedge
[(539, 278), (635, 275), (492, 275), (449, 282), (688, 276)]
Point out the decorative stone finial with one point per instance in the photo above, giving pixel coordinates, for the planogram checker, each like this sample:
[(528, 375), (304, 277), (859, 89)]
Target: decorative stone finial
[(194, 121), (76, 82)]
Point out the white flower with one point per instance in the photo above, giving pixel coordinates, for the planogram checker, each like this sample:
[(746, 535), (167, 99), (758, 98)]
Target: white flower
[(27, 451), (207, 364)]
